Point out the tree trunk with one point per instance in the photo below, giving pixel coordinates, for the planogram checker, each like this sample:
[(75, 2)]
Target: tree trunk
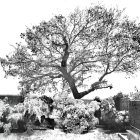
[(72, 85)]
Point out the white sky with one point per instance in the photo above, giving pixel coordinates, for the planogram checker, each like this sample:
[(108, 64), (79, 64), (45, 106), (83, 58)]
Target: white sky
[(15, 15)]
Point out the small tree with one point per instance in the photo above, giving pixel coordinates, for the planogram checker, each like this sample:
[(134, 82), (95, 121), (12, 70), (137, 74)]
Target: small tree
[(66, 51)]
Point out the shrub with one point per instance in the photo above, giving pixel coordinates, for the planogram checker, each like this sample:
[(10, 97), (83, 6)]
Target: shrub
[(97, 113), (36, 110), (17, 121), (37, 107), (74, 116), (118, 98), (5, 110), (117, 120), (23, 115)]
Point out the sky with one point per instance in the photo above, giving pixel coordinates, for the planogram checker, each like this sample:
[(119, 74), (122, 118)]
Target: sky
[(16, 15)]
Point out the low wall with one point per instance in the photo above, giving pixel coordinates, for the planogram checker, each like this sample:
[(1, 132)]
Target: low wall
[(13, 99)]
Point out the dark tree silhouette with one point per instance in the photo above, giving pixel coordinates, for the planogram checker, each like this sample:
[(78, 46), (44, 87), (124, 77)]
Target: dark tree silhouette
[(66, 50)]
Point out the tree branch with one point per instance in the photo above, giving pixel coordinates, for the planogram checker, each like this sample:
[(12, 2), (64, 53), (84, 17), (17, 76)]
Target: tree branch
[(106, 72), (95, 86), (51, 75)]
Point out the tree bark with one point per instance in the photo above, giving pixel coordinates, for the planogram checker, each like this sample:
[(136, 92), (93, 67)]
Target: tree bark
[(71, 82)]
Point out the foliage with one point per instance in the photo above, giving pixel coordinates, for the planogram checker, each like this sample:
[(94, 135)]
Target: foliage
[(35, 111), (122, 117), (135, 95), (117, 99), (13, 118), (37, 107), (19, 108), (46, 99), (7, 128), (75, 116), (97, 99), (5, 111), (118, 120), (120, 95), (23, 115), (65, 51), (1, 125)]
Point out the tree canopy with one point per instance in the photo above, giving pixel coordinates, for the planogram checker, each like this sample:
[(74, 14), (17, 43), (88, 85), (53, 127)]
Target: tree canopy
[(66, 50)]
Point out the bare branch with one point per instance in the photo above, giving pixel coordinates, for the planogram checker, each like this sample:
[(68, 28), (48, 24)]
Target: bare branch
[(106, 72)]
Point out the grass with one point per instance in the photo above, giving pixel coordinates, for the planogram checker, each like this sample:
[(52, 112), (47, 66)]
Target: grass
[(58, 135)]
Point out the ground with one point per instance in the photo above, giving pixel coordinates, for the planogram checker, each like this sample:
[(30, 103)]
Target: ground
[(59, 135)]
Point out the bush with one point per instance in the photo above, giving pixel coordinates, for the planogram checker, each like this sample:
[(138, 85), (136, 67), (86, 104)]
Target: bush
[(74, 116), (24, 115), (35, 107), (97, 113), (36, 110), (5, 110), (113, 119), (118, 98)]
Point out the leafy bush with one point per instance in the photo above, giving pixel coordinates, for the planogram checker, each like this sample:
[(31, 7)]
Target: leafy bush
[(117, 120), (74, 116), (37, 107), (35, 111), (23, 115), (5, 110)]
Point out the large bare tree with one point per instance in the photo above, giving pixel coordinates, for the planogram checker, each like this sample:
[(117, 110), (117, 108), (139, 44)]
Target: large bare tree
[(66, 50)]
